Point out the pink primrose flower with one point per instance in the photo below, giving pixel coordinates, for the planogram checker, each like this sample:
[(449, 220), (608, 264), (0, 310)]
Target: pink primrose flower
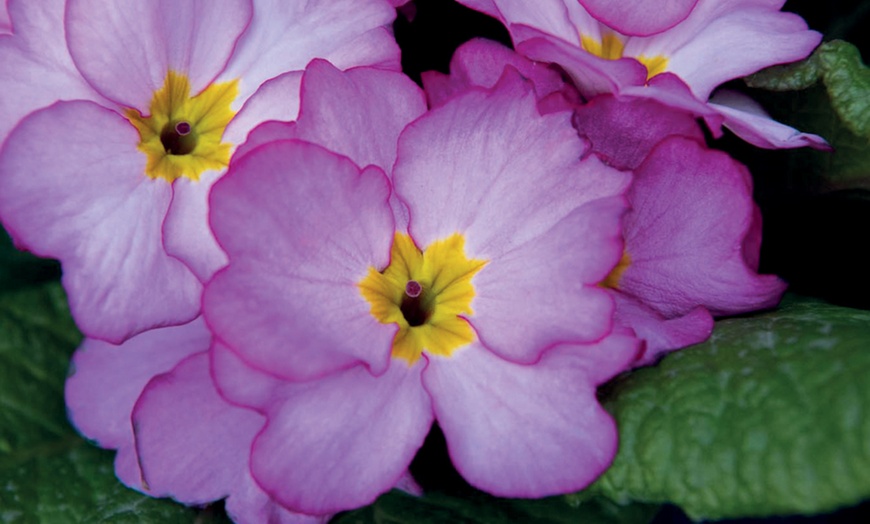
[(692, 234), (110, 156), (352, 334), (698, 45)]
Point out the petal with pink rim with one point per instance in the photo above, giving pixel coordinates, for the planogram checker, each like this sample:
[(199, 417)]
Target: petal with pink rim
[(105, 380), (591, 74), (36, 49), (748, 120), (640, 18), (528, 431), (692, 210), (358, 113), (660, 334), (125, 49), (285, 35), (288, 302), (192, 444), (623, 131), (742, 36), (481, 62), (276, 99), (87, 202), (489, 166), (339, 442), (545, 291)]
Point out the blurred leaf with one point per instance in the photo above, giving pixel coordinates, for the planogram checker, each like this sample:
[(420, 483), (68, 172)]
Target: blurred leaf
[(397, 507), (48, 473), (770, 416)]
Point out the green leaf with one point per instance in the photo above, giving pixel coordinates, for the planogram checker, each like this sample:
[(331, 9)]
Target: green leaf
[(770, 416), (829, 95), (397, 507), (48, 473)]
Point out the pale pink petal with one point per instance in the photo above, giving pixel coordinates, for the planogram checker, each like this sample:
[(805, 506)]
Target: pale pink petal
[(489, 166), (289, 302), (723, 40), (545, 292), (692, 210), (187, 235), (5, 21), (358, 113), (192, 444), (125, 49), (264, 133), (339, 442), (105, 380), (550, 16), (643, 17), (660, 334), (591, 75), (284, 36), (36, 50), (624, 130), (250, 504), (748, 120), (240, 383), (87, 202), (528, 431), (481, 62), (276, 99)]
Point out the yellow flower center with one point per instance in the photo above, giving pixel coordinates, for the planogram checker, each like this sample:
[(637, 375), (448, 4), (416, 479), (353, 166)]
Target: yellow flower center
[(612, 280), (182, 135), (424, 293), (611, 47)]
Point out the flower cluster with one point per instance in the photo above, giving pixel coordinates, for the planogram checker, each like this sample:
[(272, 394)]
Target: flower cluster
[(289, 261)]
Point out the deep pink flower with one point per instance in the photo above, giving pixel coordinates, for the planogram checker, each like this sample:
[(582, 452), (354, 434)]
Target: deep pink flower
[(135, 115), (352, 336), (717, 41)]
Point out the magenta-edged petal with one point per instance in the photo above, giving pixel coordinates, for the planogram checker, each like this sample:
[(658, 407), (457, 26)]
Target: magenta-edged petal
[(87, 202), (692, 210), (192, 444), (748, 120), (639, 18), (742, 36), (528, 431), (125, 49), (284, 36), (550, 16), (660, 334), (591, 75), (105, 380), (277, 99), (36, 50), (249, 503), (668, 89), (339, 442), (358, 113), (264, 133), (5, 21), (624, 130), (289, 302), (481, 62), (545, 291), (240, 383), (489, 166), (187, 235)]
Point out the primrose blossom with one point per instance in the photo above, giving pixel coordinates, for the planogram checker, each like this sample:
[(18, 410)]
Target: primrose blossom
[(692, 233), (697, 47), (110, 160), (353, 334)]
